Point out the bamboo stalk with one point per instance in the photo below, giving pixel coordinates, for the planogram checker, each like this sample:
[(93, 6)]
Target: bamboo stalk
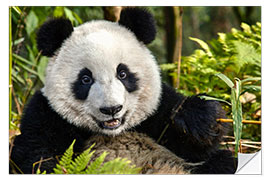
[(242, 144), (243, 121)]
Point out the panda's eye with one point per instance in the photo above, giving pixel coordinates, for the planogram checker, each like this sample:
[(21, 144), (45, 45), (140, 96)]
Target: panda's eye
[(122, 74), (86, 79)]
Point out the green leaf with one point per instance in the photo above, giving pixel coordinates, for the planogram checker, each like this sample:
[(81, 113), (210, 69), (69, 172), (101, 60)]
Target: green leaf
[(18, 41), (119, 166), (167, 67), (31, 23), (215, 99), (69, 15), (246, 54), (26, 68), (17, 9), (21, 59), (246, 28), (94, 166), (203, 45), (58, 11), (41, 68), (236, 113), (252, 87), (80, 163), (225, 79), (77, 17), (251, 79), (66, 159), (17, 78)]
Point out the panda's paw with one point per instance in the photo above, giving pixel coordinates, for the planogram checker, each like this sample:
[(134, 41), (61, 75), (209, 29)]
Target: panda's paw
[(197, 118)]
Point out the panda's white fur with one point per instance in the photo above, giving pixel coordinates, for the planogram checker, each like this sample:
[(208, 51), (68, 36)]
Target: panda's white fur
[(101, 46)]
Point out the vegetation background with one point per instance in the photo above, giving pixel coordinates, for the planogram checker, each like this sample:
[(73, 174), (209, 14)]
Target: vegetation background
[(193, 44)]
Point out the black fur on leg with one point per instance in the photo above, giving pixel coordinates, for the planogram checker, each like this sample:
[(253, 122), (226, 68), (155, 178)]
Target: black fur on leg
[(220, 162), (194, 133), (52, 34), (198, 117), (140, 22)]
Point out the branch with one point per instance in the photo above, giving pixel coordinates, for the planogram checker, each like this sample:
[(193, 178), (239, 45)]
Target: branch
[(243, 121)]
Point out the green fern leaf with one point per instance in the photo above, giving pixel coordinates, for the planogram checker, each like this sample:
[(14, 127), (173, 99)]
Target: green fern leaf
[(93, 168), (119, 166), (65, 162), (81, 162)]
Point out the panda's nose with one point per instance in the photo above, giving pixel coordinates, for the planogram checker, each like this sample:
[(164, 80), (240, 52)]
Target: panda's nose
[(111, 110)]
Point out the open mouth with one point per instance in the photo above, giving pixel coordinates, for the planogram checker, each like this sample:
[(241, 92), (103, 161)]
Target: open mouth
[(111, 124)]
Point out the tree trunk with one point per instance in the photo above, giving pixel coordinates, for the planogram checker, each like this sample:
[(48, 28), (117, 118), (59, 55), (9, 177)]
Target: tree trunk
[(112, 13), (174, 16)]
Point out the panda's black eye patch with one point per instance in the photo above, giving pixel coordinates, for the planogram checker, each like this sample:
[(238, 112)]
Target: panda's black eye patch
[(128, 78), (82, 84)]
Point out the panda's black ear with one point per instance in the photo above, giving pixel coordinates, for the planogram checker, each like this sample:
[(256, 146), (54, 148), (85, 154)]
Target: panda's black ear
[(52, 34), (140, 22)]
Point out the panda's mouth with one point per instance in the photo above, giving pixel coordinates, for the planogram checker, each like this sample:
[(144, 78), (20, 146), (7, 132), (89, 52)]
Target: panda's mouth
[(111, 124)]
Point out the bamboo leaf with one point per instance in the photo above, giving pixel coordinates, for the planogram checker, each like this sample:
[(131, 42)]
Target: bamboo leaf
[(58, 11), (215, 99), (225, 79), (17, 78), (251, 79), (31, 22), (236, 113), (18, 41), (17, 57), (41, 68), (17, 9), (27, 68)]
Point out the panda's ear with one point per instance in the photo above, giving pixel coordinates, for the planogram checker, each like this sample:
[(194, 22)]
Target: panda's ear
[(140, 22), (52, 34)]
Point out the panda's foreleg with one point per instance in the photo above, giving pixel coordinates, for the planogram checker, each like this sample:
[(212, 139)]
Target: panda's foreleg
[(197, 121), (193, 132), (220, 162)]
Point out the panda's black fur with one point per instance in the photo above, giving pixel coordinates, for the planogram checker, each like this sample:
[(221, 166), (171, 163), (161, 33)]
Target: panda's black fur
[(191, 133)]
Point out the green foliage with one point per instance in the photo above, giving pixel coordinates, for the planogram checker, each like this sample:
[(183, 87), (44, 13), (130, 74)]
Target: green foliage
[(235, 54), (83, 164), (236, 105)]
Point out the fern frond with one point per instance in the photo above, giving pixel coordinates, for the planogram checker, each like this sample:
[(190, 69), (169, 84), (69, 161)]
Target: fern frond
[(81, 162), (119, 166), (65, 162), (94, 166)]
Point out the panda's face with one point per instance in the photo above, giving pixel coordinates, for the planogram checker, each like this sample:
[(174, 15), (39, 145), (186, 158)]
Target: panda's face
[(103, 78)]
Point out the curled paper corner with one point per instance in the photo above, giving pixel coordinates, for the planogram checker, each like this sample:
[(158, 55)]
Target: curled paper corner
[(249, 163)]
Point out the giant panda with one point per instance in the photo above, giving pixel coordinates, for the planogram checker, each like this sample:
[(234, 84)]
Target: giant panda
[(103, 86)]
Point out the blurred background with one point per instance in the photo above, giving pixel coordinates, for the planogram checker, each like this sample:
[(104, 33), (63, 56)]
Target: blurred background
[(193, 44)]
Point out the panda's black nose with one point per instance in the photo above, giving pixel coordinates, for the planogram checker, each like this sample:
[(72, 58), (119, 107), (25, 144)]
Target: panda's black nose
[(111, 110)]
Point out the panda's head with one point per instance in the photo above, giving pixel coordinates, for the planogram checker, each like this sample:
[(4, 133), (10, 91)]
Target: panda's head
[(101, 75)]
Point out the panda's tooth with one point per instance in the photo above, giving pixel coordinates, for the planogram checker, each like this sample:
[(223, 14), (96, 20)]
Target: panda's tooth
[(112, 123)]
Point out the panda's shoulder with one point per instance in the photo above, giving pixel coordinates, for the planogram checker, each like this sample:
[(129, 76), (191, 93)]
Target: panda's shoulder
[(39, 115)]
